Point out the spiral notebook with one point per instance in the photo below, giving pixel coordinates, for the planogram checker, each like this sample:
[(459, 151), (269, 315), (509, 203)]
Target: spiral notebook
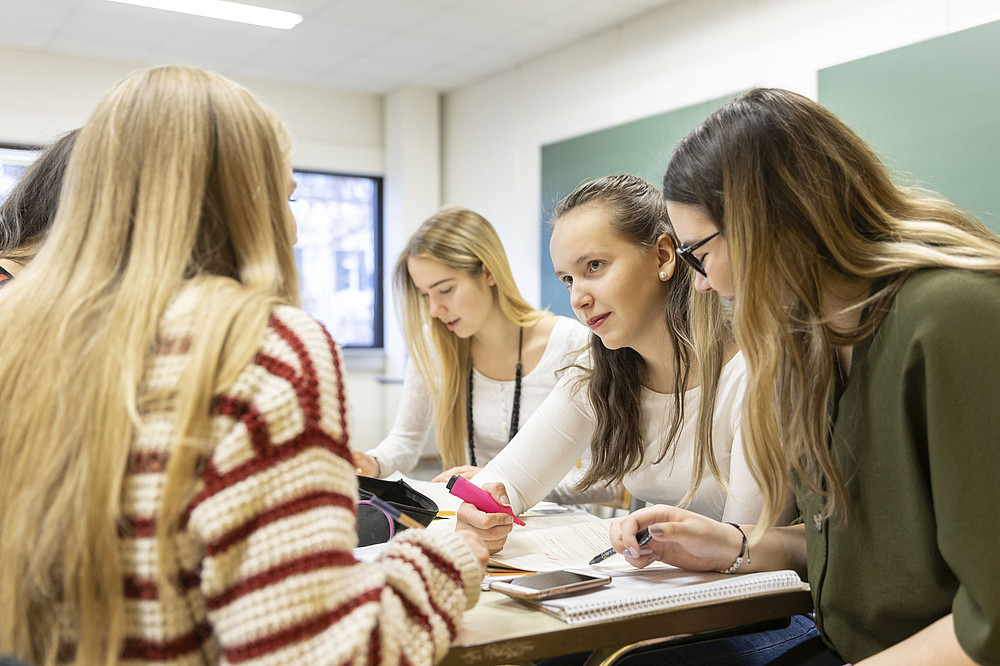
[(662, 587)]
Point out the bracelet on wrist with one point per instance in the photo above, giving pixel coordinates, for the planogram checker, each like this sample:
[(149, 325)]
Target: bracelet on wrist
[(744, 549)]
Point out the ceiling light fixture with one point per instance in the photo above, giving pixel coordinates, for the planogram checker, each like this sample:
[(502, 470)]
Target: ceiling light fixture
[(227, 11)]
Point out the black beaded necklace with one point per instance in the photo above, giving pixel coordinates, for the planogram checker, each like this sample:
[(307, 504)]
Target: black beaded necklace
[(515, 410)]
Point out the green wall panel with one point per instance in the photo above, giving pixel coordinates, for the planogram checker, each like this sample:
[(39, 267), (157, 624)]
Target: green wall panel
[(932, 110)]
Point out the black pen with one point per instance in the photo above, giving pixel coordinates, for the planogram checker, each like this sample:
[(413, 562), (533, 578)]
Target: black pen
[(642, 536)]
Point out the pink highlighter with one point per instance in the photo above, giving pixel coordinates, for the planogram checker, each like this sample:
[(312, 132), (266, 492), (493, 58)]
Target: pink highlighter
[(464, 489)]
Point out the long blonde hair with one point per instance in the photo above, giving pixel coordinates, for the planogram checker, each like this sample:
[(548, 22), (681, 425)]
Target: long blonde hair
[(803, 201), (464, 241), (179, 176)]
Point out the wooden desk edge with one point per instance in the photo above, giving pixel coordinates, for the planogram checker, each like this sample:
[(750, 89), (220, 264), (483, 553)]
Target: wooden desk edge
[(580, 638)]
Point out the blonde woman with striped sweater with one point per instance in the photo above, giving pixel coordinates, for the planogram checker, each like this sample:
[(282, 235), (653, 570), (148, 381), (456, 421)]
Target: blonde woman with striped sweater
[(175, 477)]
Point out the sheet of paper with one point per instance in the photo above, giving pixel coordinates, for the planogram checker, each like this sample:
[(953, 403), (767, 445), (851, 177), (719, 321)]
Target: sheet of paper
[(568, 545), (436, 491)]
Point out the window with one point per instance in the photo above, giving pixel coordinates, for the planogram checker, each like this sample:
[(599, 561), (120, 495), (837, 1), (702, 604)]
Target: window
[(338, 252), (13, 162)]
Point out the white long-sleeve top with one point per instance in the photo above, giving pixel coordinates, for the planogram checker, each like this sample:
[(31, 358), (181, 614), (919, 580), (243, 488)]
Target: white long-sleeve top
[(548, 446), (492, 402)]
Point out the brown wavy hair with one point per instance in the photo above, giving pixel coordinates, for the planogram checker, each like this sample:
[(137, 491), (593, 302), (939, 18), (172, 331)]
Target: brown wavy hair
[(615, 382)]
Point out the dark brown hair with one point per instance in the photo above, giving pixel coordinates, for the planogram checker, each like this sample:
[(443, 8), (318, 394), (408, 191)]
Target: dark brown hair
[(30, 207), (638, 212)]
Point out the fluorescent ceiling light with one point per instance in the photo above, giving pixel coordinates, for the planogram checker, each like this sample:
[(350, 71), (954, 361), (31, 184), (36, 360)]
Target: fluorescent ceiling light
[(228, 11)]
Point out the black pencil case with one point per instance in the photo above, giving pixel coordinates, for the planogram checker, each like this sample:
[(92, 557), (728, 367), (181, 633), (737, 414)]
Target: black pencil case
[(374, 526)]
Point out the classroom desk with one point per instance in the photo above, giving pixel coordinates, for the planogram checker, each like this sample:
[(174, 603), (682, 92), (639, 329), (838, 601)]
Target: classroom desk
[(500, 630)]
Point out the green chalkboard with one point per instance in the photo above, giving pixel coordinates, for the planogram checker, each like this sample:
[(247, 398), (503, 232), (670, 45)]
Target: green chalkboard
[(932, 111), (641, 147)]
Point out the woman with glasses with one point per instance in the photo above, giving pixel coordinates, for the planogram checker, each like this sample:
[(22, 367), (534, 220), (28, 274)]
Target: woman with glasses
[(869, 314)]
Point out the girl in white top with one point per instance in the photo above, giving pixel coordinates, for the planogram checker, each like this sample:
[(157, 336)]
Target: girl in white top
[(641, 398), (566, 422), (467, 329), (492, 402)]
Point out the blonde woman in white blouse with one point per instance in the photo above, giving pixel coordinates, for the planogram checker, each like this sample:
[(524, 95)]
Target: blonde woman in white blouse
[(481, 358)]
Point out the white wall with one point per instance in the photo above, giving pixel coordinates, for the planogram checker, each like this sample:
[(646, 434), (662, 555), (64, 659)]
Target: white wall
[(44, 96), (681, 54), (412, 193)]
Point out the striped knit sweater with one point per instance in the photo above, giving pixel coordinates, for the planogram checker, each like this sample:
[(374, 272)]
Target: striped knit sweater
[(265, 543)]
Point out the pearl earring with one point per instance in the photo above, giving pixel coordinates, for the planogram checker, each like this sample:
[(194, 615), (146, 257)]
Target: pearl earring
[(663, 275)]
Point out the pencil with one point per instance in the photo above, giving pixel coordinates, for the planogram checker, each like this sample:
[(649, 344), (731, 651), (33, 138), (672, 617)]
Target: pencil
[(397, 515)]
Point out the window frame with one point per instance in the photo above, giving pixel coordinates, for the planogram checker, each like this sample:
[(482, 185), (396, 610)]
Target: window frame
[(378, 338), (378, 318)]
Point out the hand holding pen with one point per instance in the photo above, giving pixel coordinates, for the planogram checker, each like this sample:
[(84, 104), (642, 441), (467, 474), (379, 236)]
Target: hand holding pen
[(642, 537)]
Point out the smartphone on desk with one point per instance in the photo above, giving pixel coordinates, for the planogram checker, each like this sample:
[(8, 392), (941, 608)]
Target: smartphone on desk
[(550, 584)]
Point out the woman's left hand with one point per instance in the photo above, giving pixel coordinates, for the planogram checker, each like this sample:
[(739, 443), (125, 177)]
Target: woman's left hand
[(468, 471)]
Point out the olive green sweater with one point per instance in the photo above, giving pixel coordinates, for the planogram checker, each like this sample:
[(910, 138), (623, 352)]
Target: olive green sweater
[(917, 437)]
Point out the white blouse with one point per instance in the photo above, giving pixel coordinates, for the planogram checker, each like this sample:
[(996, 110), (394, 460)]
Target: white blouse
[(548, 446), (492, 402)]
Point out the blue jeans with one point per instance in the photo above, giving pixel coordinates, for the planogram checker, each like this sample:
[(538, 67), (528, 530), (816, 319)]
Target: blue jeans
[(756, 649)]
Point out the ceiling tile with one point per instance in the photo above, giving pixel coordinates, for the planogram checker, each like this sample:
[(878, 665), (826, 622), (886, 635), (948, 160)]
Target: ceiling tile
[(389, 15), (469, 28), (325, 33), (264, 71), (119, 34), (592, 16), (526, 11), (41, 22), (364, 45), (415, 48), (536, 39)]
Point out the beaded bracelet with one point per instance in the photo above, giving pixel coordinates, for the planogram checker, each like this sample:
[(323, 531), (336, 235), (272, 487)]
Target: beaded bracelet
[(744, 548)]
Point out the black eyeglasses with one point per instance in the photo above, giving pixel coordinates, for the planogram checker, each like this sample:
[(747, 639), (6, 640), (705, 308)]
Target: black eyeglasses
[(686, 253)]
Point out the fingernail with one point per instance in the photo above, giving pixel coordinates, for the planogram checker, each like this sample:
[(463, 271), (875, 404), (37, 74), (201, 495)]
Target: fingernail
[(645, 551), (653, 558), (656, 530), (505, 500), (630, 552)]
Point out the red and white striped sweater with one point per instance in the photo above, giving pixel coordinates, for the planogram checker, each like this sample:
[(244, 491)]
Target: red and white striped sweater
[(265, 543)]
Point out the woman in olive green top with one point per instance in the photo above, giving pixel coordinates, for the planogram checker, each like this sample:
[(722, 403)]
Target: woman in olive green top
[(868, 314)]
